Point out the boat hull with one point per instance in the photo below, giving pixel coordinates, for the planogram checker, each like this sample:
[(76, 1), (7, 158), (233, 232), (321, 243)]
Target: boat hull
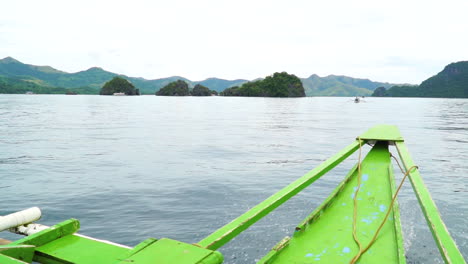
[(326, 236)]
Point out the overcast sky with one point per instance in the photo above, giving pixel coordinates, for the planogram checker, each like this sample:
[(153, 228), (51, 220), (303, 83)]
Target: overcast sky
[(400, 41)]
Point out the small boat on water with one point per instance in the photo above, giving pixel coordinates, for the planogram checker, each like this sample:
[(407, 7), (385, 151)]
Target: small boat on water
[(357, 100), (358, 223), (119, 94)]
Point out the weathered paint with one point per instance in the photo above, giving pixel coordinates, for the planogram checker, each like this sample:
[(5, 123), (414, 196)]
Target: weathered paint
[(397, 223), (326, 235), (51, 234), (20, 252), (447, 246), (168, 251), (9, 260), (327, 202)]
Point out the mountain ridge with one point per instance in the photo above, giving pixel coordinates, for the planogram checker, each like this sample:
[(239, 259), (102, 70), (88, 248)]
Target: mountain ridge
[(94, 78)]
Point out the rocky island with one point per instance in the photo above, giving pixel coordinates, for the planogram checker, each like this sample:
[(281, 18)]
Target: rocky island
[(200, 90), (119, 85), (181, 88), (177, 88), (277, 85)]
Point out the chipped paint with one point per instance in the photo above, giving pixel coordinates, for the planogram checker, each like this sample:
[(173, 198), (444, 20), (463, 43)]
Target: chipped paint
[(365, 177), (382, 208)]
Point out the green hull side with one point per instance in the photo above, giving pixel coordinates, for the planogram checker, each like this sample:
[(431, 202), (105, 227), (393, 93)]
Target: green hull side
[(90, 251), (326, 235), (60, 244)]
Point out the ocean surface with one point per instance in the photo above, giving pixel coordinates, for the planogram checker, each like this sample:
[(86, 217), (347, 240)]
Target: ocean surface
[(130, 168)]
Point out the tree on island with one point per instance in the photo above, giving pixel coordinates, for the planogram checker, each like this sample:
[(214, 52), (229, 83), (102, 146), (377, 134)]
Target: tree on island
[(119, 85), (177, 88), (278, 85), (396, 91), (380, 92), (200, 90)]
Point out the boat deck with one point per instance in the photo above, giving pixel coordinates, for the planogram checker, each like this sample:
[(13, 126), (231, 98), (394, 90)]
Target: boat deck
[(326, 235)]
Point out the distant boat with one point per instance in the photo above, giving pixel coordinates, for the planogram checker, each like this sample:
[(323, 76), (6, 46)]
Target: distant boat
[(357, 100), (119, 94), (29, 92)]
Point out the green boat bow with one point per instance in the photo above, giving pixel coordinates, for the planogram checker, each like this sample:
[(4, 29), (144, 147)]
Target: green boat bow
[(325, 236)]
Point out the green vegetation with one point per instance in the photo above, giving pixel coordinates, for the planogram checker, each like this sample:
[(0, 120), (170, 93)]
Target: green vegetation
[(380, 92), (18, 86), (200, 90), (219, 85), (396, 91), (277, 85), (452, 82), (177, 88), (50, 80), (181, 88), (119, 85)]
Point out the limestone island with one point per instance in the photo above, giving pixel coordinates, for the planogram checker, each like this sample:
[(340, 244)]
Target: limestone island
[(119, 86), (181, 88), (278, 85)]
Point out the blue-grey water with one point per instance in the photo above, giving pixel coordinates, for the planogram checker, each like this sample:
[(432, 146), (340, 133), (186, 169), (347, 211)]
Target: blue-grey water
[(130, 168)]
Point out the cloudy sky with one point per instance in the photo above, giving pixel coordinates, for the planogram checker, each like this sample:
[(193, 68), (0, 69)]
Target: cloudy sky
[(400, 41)]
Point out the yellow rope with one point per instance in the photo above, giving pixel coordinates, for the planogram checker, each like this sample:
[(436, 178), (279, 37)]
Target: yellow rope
[(374, 238), (355, 199)]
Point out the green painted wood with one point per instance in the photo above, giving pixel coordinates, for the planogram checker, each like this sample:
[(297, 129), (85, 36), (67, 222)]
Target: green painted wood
[(168, 251), (50, 234), (447, 246), (9, 260), (141, 246), (327, 238), (327, 202), (396, 212), (383, 133), (20, 252), (79, 250), (231, 230)]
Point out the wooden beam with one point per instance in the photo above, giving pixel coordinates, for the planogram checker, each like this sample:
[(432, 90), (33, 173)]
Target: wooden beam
[(447, 247)]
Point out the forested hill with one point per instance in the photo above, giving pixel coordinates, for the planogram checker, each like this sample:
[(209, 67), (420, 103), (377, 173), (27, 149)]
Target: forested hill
[(45, 79), (277, 85), (334, 85), (451, 82), (17, 77)]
